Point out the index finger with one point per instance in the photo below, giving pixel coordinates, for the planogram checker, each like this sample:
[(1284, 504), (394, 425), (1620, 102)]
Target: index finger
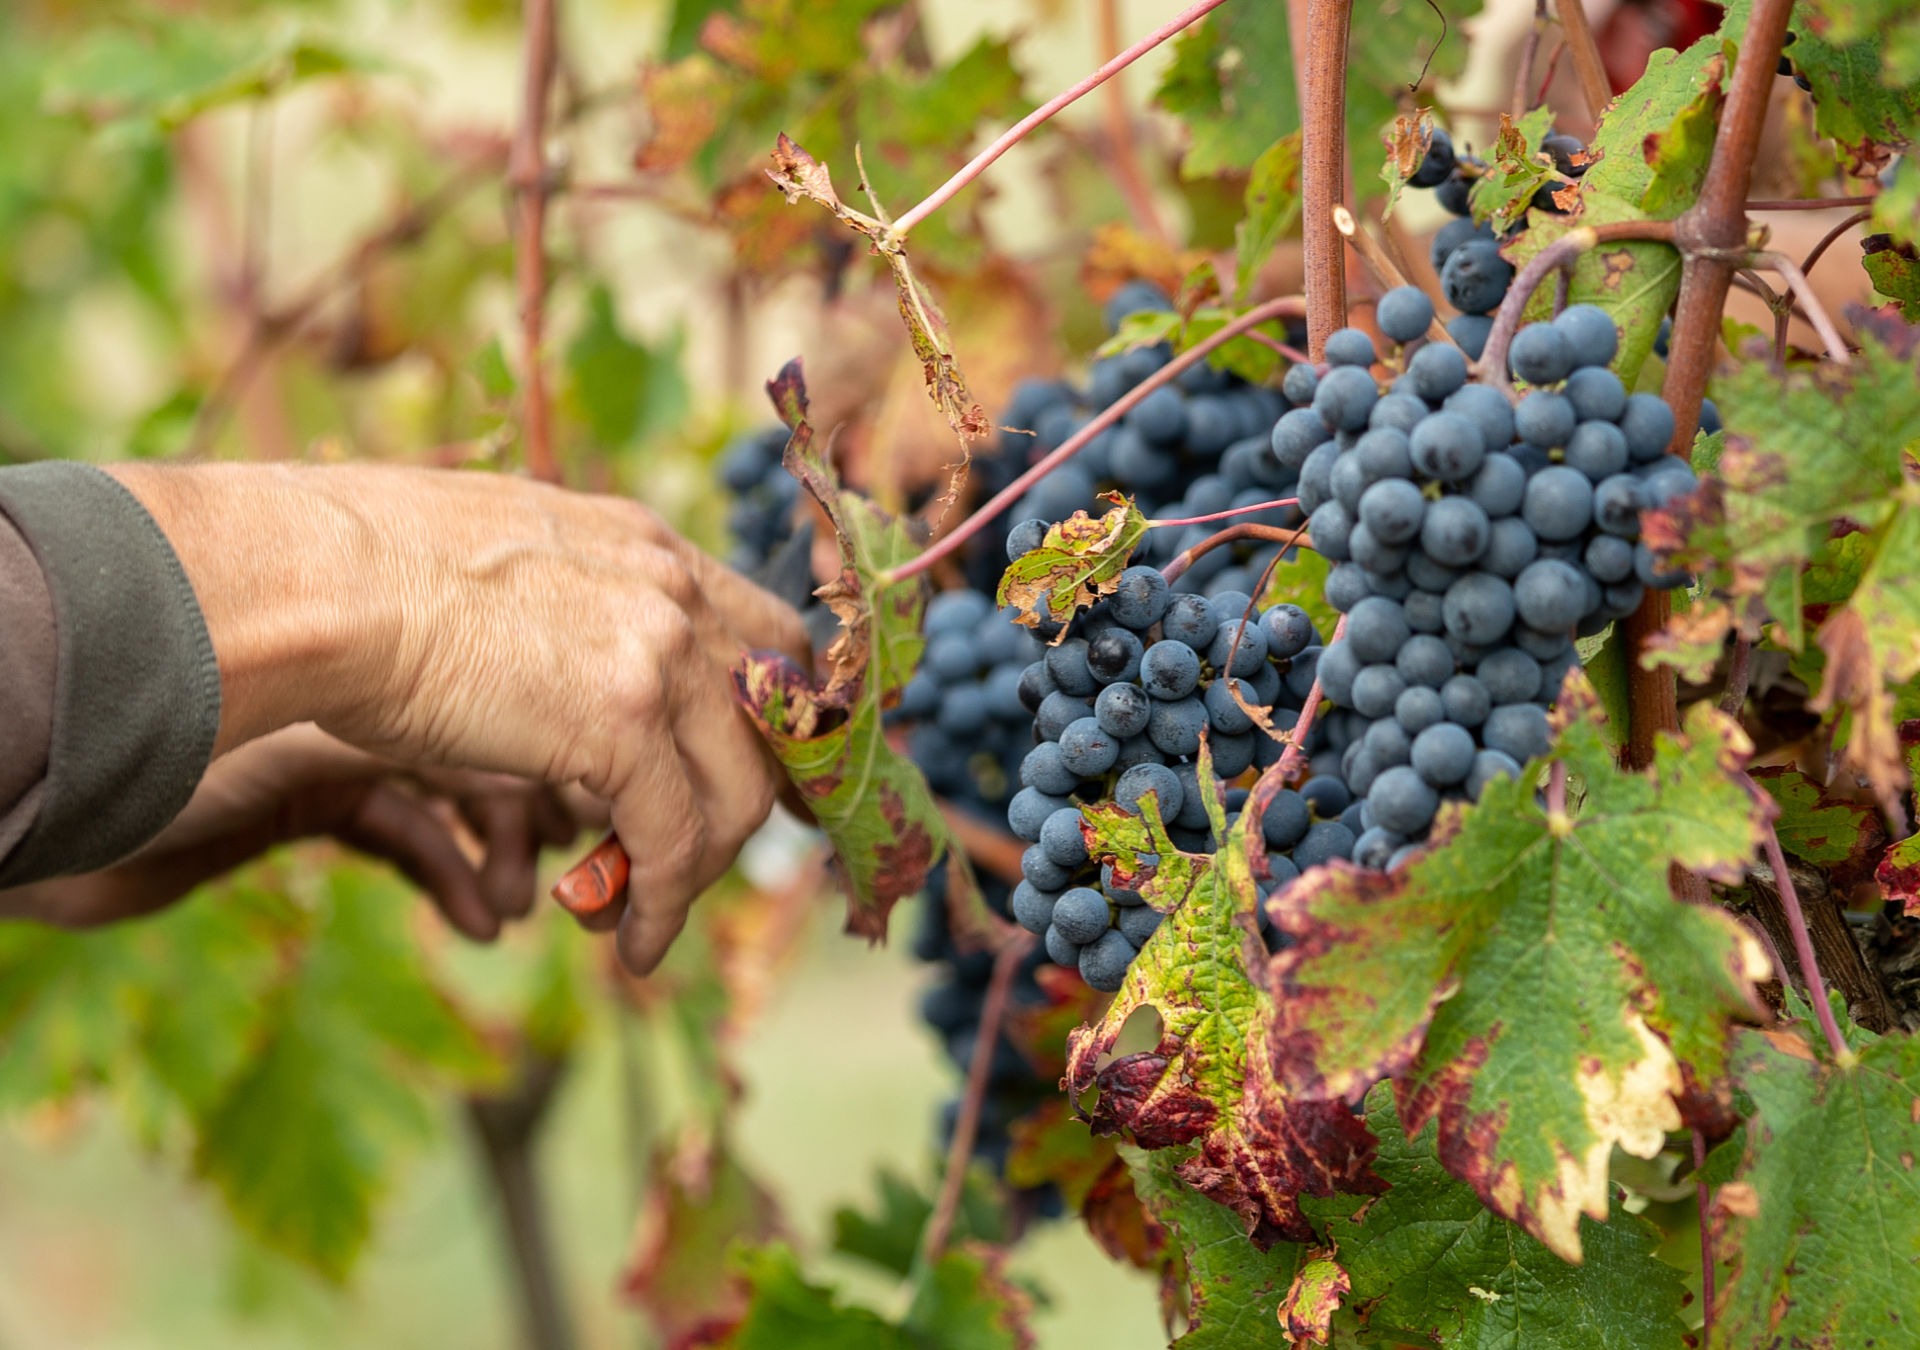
[(756, 617)]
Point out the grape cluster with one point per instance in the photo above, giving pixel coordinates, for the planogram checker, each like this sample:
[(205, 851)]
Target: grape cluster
[(1472, 539), (1119, 710), (763, 496)]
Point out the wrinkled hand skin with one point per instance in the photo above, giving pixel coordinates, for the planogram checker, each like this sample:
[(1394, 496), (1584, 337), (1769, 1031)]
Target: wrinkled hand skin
[(483, 622), (471, 841)]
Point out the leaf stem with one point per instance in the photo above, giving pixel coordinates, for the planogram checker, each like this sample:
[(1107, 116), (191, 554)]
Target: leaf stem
[(1703, 1199), (1286, 306), (1275, 777), (953, 1183), (1323, 147), (1224, 515), (1529, 53), (1739, 676), (1802, 943), (1587, 65), (507, 1127), (1233, 534), (1019, 131), (1816, 312), (1385, 269), (527, 173), (1562, 252), (1807, 203)]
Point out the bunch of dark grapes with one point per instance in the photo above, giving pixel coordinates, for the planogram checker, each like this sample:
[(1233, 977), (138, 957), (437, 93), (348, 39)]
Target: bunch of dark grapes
[(1473, 539), (762, 496), (1119, 710)]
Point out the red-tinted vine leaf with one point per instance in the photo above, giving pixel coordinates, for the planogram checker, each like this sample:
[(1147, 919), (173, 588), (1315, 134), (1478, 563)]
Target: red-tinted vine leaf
[(798, 174), (871, 802), (1079, 561), (1837, 834), (1314, 1297), (1693, 641), (1532, 982), (1864, 101), (1209, 1078), (686, 103), (1898, 872), (1894, 269), (1053, 1147), (1228, 1291), (1819, 452), (1272, 210), (1503, 193), (1407, 143), (1823, 1242), (698, 1205), (1430, 1265)]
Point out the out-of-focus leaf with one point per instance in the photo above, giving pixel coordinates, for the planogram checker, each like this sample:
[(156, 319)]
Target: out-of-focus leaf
[(1895, 272), (1832, 832), (699, 1205), (625, 391), (1862, 59), (158, 75), (785, 1311), (1518, 170), (888, 1236), (965, 1301), (1531, 981), (1272, 210)]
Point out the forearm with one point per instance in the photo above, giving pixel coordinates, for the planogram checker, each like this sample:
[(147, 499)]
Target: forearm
[(302, 593)]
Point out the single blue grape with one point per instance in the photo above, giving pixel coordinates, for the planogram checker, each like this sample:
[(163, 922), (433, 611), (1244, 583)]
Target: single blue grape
[(1545, 418), (1511, 545), (1189, 619), (1404, 314), (1122, 710), (1589, 333), (1082, 914), (1403, 801), (1140, 599), (1289, 631), (1479, 608), (1454, 533), (1437, 370), (1550, 595), (1608, 557), (1043, 871), (1157, 779), (1136, 925), (1596, 395), (1517, 729), (1447, 446), (1540, 354), (1024, 538), (1465, 701), (1088, 748), (1489, 765), (1375, 690), (1067, 663), (1470, 333), (1419, 707), (1060, 950), (1171, 669), (1434, 166), (1032, 907), (1058, 711), (1476, 277), (1299, 384), (1322, 844), (1061, 838), (1345, 397), (1487, 408), (1617, 503), (1648, 424), (1160, 417), (1350, 347), (1175, 727), (1559, 503), (1286, 819), (1597, 449)]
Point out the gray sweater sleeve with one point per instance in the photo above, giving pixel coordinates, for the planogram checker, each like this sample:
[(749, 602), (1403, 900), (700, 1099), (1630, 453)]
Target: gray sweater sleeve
[(135, 688)]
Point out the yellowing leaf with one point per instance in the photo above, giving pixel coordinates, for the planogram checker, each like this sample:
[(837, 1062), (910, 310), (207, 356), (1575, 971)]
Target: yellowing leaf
[(1079, 561)]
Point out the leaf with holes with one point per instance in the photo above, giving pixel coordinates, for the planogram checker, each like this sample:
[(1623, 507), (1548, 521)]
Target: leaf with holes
[(1503, 193), (1533, 984), (1429, 1264), (1209, 1078), (1814, 453), (1824, 1248), (1078, 561), (872, 802)]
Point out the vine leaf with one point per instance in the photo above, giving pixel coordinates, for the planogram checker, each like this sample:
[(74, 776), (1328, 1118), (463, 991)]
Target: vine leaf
[(799, 175), (1209, 1078), (1407, 143), (1052, 1147), (1862, 99), (1079, 561), (1429, 1264), (1503, 193), (1898, 873), (1894, 269), (1315, 1296), (872, 803), (1823, 1236), (1228, 1290), (1837, 834), (1533, 984), (1819, 453), (1693, 641), (1272, 208)]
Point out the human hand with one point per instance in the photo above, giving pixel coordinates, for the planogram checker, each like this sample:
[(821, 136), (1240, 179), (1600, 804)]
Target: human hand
[(301, 783), (485, 622)]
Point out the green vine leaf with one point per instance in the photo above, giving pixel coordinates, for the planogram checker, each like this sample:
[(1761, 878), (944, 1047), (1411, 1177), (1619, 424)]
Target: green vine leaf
[(872, 803), (1894, 270), (1531, 981), (1272, 211), (1209, 1078), (1822, 1235), (1807, 456), (1866, 94), (1079, 561), (1229, 1290), (1503, 193), (1835, 833), (1429, 1264)]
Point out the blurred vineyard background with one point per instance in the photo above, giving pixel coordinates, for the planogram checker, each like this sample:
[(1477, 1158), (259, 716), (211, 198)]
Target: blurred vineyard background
[(284, 231)]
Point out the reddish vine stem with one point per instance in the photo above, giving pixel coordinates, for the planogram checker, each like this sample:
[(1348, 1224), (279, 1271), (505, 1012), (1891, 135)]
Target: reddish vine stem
[(1553, 68), (1529, 53), (1323, 145), (1557, 790), (528, 173), (1587, 65), (1816, 312), (1268, 785), (1803, 944), (941, 195), (1807, 203), (1831, 237), (1225, 515), (1703, 1199), (1563, 252), (953, 1182), (1127, 173), (1710, 234), (1284, 307), (1233, 534), (1739, 676), (1274, 344)]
